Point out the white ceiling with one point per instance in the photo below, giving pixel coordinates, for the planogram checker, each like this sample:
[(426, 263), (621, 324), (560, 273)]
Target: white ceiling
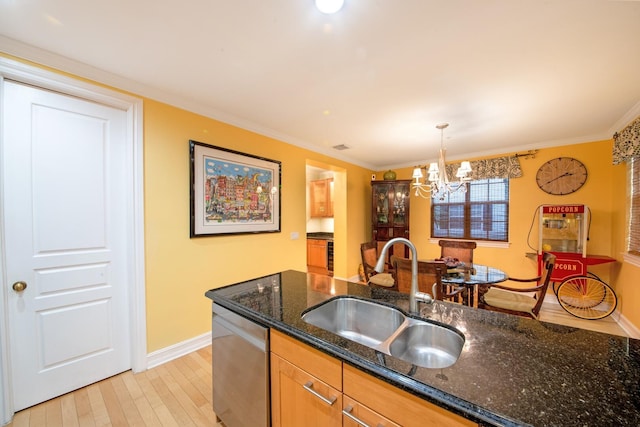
[(508, 75)]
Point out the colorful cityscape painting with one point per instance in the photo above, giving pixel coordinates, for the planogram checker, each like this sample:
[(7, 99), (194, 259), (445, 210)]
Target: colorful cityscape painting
[(236, 192), (233, 192)]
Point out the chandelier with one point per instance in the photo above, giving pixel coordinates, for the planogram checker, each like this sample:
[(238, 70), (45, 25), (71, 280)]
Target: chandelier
[(438, 185)]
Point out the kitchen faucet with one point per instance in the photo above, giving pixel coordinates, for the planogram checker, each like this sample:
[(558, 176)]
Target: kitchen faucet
[(414, 295)]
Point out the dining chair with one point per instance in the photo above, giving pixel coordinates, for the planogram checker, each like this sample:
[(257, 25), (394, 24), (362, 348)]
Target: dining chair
[(460, 249), (520, 301), (369, 255), (429, 278)]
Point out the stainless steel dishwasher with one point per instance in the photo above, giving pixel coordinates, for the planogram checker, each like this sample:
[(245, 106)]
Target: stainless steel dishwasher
[(240, 370)]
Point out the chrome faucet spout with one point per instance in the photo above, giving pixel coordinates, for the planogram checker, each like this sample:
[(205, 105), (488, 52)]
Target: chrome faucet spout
[(414, 295)]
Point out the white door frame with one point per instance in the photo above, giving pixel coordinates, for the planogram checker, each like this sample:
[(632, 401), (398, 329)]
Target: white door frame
[(39, 77)]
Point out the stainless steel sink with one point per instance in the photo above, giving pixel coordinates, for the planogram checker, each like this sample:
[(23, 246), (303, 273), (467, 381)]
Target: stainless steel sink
[(359, 320), (389, 331), (427, 345)]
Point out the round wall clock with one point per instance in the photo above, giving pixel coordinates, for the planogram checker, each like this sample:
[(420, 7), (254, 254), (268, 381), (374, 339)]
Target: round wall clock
[(562, 175)]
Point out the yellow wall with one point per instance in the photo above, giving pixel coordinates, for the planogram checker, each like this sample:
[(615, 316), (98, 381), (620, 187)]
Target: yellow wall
[(604, 193), (180, 269)]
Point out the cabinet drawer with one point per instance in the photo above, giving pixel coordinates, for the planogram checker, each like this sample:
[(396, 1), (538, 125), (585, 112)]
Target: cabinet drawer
[(397, 405), (315, 362), (300, 399), (362, 414)]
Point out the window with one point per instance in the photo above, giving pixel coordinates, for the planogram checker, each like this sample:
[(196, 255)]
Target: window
[(634, 212), (481, 213)]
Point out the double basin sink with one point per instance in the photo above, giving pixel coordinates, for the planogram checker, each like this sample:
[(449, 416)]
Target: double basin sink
[(388, 330)]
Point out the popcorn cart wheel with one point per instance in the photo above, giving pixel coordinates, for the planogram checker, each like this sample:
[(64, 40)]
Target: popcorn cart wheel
[(585, 295)]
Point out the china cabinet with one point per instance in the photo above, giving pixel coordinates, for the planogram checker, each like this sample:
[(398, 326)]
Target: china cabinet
[(390, 213)]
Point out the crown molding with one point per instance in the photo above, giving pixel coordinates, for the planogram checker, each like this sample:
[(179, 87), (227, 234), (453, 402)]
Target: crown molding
[(80, 69), (67, 65)]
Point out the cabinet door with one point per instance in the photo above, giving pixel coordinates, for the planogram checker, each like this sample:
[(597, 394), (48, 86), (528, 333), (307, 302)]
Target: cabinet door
[(300, 399), (321, 198), (400, 197), (380, 200), (356, 415), (317, 259)]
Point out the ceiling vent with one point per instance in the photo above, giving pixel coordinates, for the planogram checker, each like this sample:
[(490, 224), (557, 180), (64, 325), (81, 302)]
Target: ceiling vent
[(341, 147)]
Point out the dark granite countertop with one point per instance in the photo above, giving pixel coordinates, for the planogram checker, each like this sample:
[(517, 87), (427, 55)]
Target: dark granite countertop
[(320, 236), (512, 371)]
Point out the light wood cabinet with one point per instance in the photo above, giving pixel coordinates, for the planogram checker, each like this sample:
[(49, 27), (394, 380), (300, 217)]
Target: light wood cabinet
[(401, 407), (306, 385), (300, 399), (321, 198), (311, 388), (317, 256)]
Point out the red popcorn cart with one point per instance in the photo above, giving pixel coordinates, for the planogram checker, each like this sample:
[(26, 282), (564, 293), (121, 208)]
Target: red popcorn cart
[(564, 231)]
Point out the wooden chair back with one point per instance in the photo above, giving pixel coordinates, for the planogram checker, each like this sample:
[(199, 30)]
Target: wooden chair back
[(460, 249), (429, 275), (539, 289), (369, 254)]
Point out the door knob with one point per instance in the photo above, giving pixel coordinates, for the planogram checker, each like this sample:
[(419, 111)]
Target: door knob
[(19, 286)]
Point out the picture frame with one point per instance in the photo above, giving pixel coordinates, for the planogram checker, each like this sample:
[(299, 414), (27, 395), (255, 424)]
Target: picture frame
[(232, 192)]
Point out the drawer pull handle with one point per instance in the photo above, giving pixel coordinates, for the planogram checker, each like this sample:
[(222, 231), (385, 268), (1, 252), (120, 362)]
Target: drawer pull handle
[(309, 387), (347, 412)]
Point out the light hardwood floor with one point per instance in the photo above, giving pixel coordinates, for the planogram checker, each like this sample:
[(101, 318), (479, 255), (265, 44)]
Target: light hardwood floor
[(178, 393)]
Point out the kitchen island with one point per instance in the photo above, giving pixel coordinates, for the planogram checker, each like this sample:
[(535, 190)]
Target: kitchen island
[(512, 371)]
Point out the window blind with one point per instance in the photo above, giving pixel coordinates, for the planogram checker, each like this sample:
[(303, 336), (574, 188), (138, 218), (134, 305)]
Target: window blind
[(634, 218)]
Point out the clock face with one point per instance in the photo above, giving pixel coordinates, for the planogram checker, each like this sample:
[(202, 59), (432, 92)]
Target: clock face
[(562, 175)]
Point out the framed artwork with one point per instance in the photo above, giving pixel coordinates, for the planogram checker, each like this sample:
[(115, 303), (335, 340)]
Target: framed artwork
[(233, 192)]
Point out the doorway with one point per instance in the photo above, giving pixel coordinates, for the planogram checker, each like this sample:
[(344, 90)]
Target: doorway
[(326, 234)]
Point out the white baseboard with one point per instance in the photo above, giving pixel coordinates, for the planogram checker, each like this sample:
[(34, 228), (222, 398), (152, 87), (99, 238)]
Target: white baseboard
[(175, 351), (628, 327)]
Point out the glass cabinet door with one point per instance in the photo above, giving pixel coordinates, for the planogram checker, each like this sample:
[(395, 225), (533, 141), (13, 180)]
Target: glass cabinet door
[(400, 197), (381, 204)]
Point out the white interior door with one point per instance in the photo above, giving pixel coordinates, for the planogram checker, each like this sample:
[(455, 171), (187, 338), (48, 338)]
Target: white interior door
[(65, 198)]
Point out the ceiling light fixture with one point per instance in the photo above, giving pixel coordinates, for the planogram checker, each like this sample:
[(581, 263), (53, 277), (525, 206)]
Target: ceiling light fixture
[(329, 6), (438, 185)]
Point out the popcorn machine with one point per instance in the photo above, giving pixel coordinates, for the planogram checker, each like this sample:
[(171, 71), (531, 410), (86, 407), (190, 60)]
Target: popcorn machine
[(564, 231)]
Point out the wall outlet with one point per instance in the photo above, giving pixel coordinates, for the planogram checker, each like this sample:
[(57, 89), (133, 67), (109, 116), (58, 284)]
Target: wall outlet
[(295, 235)]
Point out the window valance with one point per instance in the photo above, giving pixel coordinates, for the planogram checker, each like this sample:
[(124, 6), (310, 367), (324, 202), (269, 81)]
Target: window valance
[(626, 143), (499, 167)]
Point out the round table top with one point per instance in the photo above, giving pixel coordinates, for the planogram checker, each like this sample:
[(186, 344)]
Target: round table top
[(483, 275)]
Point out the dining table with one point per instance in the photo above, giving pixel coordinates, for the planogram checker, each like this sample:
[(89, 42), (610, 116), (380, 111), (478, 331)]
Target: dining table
[(473, 277)]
